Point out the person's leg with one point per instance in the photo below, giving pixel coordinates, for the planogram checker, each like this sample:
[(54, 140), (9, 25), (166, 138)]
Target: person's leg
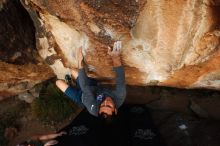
[(62, 85), (72, 92)]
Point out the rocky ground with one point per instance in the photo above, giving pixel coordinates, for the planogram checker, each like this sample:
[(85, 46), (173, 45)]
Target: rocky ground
[(20, 120), (179, 129), (178, 115)]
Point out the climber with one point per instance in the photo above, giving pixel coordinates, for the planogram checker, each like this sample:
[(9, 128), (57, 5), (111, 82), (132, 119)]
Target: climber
[(97, 100)]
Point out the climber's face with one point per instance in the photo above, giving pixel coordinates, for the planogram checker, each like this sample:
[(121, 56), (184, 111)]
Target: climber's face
[(107, 106)]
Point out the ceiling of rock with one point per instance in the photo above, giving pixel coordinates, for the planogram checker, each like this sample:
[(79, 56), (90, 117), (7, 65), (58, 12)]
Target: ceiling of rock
[(165, 43)]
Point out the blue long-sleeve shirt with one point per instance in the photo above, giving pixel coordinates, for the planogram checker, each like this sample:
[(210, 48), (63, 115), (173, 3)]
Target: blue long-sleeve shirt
[(89, 93)]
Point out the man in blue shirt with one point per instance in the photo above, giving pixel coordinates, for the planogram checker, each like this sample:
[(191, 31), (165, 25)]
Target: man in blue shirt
[(98, 101)]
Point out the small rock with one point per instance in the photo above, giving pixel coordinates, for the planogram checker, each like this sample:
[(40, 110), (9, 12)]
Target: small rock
[(198, 110), (16, 55), (27, 97), (36, 90), (183, 127), (23, 119)]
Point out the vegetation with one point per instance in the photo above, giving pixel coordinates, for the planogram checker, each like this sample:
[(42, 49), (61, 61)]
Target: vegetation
[(52, 105)]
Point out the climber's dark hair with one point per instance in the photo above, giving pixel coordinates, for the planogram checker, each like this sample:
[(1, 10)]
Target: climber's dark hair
[(107, 119)]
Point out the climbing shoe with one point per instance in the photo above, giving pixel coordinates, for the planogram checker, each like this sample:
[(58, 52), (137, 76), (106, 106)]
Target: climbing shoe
[(68, 79)]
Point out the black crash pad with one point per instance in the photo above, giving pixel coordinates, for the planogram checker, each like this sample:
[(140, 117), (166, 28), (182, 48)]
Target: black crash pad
[(132, 127)]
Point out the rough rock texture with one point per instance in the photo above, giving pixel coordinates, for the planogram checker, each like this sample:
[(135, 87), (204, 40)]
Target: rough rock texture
[(198, 102), (20, 64), (166, 43)]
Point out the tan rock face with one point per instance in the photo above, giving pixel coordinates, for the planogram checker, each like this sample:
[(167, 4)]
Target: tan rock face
[(166, 43), (21, 68)]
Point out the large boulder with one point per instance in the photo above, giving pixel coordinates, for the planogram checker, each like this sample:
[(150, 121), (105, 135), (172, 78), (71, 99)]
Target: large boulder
[(165, 43)]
